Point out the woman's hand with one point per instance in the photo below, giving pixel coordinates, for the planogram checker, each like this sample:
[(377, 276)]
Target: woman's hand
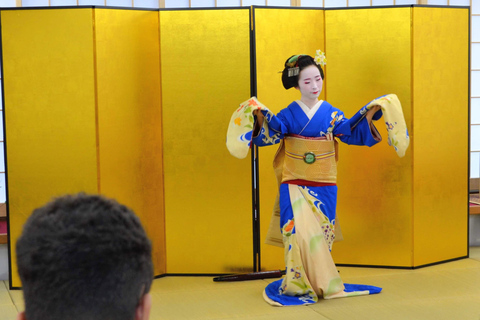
[(259, 123)]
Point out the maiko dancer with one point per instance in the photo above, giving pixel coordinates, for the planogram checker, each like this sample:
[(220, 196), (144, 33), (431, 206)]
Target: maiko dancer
[(306, 168)]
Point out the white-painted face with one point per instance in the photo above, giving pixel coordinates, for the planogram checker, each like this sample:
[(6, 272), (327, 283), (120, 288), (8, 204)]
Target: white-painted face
[(310, 83)]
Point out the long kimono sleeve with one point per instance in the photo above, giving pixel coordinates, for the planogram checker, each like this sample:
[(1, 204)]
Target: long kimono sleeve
[(243, 124), (357, 130), (268, 129)]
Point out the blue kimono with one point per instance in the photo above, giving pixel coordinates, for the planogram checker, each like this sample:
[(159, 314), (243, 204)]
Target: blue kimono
[(308, 206)]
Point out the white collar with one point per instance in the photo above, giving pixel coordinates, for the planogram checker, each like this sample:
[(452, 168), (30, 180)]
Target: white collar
[(309, 112)]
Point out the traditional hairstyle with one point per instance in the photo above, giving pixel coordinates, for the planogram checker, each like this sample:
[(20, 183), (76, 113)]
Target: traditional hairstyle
[(293, 66), (83, 257)]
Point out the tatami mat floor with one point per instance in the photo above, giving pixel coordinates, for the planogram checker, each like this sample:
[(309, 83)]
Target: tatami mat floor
[(447, 291)]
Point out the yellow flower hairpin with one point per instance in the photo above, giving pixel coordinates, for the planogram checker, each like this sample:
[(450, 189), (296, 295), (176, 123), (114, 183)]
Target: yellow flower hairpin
[(320, 58)]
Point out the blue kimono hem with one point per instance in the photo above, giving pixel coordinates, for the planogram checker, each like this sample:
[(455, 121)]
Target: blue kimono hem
[(360, 287), (274, 293)]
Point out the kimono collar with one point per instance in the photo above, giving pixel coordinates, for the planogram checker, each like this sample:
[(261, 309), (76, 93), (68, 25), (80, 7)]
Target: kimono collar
[(309, 112)]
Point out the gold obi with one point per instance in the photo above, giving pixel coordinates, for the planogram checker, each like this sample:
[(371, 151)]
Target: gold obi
[(311, 159)]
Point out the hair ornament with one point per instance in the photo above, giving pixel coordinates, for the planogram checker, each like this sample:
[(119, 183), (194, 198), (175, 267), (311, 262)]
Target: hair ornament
[(292, 64), (320, 58), (292, 72)]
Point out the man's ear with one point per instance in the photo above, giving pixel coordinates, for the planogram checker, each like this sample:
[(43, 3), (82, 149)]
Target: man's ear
[(143, 309), (21, 316)]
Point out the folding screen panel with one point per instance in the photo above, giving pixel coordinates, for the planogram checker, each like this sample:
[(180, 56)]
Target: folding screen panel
[(369, 56), (441, 123), (279, 34), (399, 211), (83, 115), (49, 92), (129, 117), (205, 75)]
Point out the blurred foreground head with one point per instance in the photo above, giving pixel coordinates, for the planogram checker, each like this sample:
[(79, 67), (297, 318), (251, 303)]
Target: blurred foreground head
[(84, 257)]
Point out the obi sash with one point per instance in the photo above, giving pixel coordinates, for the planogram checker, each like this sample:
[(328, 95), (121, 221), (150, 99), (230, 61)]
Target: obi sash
[(310, 159)]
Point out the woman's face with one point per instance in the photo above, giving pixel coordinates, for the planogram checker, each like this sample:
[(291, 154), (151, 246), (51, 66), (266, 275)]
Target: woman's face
[(310, 82)]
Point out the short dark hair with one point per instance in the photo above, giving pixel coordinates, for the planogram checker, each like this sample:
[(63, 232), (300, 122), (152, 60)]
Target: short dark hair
[(302, 62), (83, 257)]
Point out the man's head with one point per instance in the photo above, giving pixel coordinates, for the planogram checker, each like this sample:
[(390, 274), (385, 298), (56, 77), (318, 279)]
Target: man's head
[(84, 257)]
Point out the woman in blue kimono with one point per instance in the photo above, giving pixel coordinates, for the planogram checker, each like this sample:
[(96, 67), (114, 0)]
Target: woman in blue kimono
[(306, 169)]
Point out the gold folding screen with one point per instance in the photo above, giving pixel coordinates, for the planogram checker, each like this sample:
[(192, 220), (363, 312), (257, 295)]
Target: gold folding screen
[(83, 115), (393, 211), (137, 108)]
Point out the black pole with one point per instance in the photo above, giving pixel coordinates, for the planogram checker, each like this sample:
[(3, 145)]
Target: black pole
[(254, 153), (254, 208), (255, 211)]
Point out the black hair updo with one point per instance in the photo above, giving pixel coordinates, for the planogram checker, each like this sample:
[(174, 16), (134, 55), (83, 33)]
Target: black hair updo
[(303, 61)]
